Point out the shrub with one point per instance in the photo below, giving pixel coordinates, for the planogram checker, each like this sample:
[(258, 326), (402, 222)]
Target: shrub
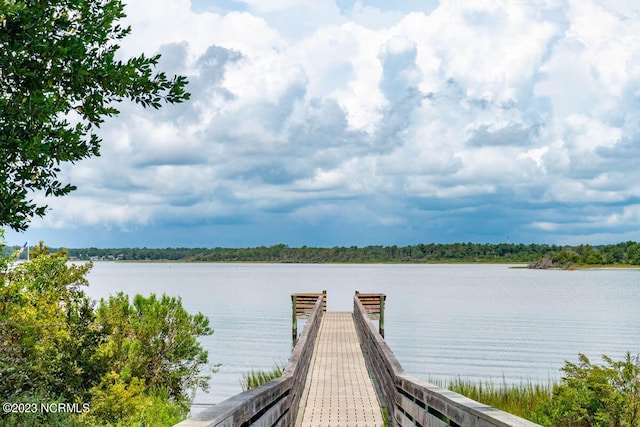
[(592, 395), (134, 362)]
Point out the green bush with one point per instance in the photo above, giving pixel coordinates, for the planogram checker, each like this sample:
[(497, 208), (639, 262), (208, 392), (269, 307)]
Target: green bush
[(129, 362), (588, 395), (116, 403), (592, 395)]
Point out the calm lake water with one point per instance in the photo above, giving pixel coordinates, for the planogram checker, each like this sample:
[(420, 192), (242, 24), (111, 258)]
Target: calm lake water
[(442, 321)]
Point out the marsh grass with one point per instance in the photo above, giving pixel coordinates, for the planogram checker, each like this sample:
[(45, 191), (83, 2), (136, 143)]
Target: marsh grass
[(256, 377), (522, 399)]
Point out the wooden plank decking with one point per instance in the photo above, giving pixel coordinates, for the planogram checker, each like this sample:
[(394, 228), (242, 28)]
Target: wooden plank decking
[(339, 391)]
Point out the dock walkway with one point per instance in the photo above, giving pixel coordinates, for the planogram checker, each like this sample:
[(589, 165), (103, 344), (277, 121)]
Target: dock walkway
[(326, 382), (339, 391)]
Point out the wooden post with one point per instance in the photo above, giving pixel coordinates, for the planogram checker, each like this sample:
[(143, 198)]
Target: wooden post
[(381, 320), (373, 305), (294, 320), (302, 305)]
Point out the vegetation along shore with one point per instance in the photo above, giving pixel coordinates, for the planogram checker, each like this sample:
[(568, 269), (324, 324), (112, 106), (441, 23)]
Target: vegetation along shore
[(542, 256)]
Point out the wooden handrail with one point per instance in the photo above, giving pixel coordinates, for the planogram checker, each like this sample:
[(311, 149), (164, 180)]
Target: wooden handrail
[(276, 402)]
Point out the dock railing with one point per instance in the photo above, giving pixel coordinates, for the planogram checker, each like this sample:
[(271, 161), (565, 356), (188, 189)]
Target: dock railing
[(412, 402), (374, 307), (276, 402), (302, 305)]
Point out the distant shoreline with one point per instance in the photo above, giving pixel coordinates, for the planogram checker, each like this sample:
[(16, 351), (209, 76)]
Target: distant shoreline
[(163, 261), (515, 265), (538, 256)]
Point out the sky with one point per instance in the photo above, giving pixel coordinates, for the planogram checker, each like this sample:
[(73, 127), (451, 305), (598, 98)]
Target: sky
[(369, 122)]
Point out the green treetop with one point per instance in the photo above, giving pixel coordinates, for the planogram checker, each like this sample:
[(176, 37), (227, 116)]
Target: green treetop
[(59, 80)]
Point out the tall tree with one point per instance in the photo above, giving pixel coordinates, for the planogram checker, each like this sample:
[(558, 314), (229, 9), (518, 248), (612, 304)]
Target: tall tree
[(59, 80)]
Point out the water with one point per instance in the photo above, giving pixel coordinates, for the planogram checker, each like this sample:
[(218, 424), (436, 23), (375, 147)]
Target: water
[(442, 321)]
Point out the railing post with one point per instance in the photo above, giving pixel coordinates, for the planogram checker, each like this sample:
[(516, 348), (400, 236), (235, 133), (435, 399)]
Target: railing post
[(381, 320), (294, 320), (302, 305), (374, 313)]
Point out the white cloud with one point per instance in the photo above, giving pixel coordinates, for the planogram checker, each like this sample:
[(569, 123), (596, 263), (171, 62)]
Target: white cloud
[(546, 226), (488, 46), (529, 105), (372, 17), (275, 5)]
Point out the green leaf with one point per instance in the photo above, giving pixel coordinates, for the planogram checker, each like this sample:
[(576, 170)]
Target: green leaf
[(49, 71)]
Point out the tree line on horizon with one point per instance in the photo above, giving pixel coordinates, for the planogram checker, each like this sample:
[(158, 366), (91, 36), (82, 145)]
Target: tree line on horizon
[(536, 255)]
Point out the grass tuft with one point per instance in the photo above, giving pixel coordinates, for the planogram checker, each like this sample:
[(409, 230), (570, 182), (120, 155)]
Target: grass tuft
[(256, 377)]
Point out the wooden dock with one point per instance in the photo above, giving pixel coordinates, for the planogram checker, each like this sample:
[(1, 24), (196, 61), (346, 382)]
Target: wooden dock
[(339, 391), (328, 381)]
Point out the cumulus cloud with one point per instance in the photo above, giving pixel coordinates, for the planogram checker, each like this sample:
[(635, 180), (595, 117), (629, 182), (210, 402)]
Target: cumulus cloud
[(429, 121)]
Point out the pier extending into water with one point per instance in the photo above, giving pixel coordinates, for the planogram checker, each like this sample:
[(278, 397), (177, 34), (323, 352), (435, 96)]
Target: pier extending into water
[(342, 373)]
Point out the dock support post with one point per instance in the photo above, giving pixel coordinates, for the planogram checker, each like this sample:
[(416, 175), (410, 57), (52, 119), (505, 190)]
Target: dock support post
[(381, 320), (294, 320)]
